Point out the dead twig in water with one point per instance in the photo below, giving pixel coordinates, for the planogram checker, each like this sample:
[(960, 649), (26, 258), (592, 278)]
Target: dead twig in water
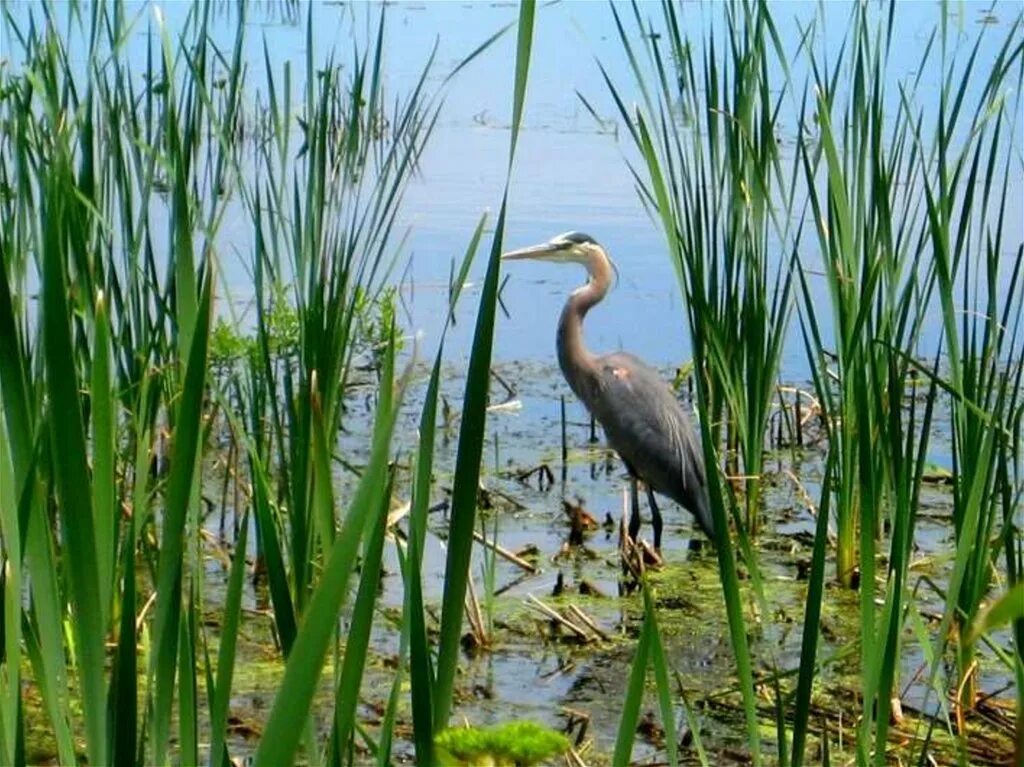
[(586, 619), (545, 477), (582, 634), (504, 553)]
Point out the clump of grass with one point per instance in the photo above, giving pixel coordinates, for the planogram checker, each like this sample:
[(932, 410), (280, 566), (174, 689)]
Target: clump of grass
[(904, 201), (515, 744), (115, 183), (715, 182)]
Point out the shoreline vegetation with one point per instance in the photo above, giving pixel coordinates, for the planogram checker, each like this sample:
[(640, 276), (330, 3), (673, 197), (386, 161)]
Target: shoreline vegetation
[(138, 407)]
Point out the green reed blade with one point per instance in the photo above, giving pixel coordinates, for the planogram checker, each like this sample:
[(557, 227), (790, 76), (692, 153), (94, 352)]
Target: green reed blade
[(524, 44), (13, 383), (103, 418), (284, 609), (474, 413), (269, 545), (15, 455), (462, 522), (634, 699), (1007, 608), (186, 449), (357, 640), (10, 603), (812, 616), (387, 725), (229, 632), (48, 606), (421, 668), (188, 710), (123, 698), (660, 664), (71, 475), (323, 492), (289, 715)]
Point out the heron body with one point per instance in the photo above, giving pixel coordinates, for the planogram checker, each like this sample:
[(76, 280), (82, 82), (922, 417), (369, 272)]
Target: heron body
[(642, 419)]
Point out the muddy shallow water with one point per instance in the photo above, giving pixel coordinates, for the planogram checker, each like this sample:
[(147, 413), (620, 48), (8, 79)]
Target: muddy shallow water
[(530, 669)]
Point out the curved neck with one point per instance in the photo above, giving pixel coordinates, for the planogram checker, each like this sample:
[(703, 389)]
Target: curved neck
[(576, 361)]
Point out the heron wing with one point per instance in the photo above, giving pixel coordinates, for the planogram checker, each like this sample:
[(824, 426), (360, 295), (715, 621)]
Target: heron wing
[(648, 427)]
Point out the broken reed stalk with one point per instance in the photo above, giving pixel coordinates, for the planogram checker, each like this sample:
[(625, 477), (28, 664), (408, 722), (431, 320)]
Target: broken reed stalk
[(504, 553)]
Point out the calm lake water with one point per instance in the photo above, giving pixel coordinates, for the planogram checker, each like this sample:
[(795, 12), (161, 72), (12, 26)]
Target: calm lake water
[(570, 173)]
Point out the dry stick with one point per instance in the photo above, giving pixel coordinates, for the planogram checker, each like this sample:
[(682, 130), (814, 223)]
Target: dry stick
[(476, 618), (521, 578), (630, 560), (532, 601), (510, 390), (799, 423), (501, 551), (509, 404), (578, 613), (577, 717), (782, 417), (519, 505), (575, 759), (565, 444), (958, 702), (543, 472), (805, 497)]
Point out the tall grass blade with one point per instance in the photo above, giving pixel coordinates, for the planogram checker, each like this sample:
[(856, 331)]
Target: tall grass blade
[(71, 474), (660, 666), (357, 642), (220, 695), (291, 706), (471, 432), (186, 448), (812, 616), (421, 667), (634, 699), (103, 417)]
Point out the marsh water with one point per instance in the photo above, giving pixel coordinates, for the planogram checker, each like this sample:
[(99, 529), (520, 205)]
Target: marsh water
[(571, 172)]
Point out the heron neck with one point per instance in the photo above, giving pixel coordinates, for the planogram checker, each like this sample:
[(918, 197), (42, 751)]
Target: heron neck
[(576, 361)]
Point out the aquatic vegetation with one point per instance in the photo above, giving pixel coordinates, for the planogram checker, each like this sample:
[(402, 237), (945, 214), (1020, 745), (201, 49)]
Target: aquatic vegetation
[(892, 193), (516, 744)]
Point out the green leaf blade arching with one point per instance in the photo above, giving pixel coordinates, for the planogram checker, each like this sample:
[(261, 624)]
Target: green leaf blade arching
[(103, 416), (67, 439), (290, 711), (186, 448), (474, 416)]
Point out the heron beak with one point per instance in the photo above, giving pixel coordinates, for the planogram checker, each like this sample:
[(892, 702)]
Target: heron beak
[(546, 251)]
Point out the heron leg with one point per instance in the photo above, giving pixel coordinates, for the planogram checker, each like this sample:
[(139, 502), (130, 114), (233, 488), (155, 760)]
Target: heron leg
[(655, 519), (634, 512)]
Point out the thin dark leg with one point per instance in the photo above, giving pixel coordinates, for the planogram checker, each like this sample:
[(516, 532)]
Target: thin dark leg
[(655, 519), (634, 514)]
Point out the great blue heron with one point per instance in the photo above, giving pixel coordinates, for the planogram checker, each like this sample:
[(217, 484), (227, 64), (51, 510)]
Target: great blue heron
[(644, 422)]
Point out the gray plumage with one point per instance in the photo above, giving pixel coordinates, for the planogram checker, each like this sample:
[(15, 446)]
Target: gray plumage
[(644, 422)]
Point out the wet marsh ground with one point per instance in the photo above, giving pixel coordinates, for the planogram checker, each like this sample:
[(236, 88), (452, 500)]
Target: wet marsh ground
[(526, 665)]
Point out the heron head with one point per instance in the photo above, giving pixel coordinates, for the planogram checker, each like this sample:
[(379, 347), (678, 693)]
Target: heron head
[(568, 248)]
